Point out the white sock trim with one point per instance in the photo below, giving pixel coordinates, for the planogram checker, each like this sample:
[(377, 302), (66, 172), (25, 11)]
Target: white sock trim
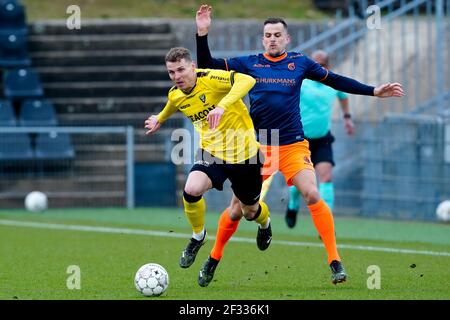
[(266, 225), (199, 236)]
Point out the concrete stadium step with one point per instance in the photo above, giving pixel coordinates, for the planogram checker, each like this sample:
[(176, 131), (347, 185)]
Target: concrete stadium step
[(134, 119), (93, 199), (103, 73), (71, 199), (39, 43), (140, 138), (101, 167), (107, 89), (98, 58), (109, 105), (65, 183), (120, 139), (101, 26), (142, 153)]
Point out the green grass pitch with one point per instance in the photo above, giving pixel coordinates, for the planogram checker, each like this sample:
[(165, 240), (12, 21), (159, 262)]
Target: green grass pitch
[(109, 245)]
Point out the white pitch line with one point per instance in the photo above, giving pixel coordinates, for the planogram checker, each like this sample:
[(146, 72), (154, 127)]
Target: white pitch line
[(55, 226)]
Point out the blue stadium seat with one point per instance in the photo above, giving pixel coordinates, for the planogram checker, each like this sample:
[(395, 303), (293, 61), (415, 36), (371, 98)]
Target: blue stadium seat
[(14, 50), (7, 116), (12, 15), (37, 112), (54, 146), (22, 83), (16, 154), (15, 146)]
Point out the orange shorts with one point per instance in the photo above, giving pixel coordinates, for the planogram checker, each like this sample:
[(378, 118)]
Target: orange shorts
[(290, 159)]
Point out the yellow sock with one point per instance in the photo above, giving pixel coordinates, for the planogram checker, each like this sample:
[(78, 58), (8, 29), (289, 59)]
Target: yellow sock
[(263, 218), (195, 213)]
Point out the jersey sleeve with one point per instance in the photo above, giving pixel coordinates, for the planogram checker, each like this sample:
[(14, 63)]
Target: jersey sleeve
[(241, 85), (238, 64), (169, 109), (348, 85), (315, 71), (204, 58), (235, 84)]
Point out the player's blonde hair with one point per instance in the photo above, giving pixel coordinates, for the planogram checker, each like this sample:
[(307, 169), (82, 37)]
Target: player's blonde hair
[(178, 53)]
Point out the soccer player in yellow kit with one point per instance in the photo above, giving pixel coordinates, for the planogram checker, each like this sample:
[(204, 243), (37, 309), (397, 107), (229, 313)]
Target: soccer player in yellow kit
[(212, 100)]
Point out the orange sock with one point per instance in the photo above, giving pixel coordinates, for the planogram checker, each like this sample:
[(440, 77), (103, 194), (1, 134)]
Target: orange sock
[(226, 229), (323, 220)]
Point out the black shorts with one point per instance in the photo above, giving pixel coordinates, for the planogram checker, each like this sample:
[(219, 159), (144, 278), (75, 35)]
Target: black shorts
[(321, 150), (245, 177)]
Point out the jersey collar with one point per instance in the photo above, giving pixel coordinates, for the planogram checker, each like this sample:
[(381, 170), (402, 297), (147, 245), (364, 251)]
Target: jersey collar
[(276, 59), (190, 90)]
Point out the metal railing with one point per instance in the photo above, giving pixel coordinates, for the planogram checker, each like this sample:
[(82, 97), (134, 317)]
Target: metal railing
[(411, 46), (95, 166)]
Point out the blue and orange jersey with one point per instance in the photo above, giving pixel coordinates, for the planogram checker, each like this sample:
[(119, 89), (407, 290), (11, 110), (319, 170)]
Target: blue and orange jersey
[(275, 98)]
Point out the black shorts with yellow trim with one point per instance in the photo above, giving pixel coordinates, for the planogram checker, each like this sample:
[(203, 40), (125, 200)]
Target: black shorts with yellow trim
[(245, 177)]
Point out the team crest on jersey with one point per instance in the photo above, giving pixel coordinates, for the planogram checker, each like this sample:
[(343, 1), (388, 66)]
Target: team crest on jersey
[(202, 98), (291, 66)]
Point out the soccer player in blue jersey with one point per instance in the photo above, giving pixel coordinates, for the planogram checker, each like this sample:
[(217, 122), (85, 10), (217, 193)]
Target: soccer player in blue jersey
[(317, 102), (274, 108)]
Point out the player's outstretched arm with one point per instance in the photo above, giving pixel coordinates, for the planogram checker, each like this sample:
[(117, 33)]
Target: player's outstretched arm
[(203, 19), (350, 85), (345, 84), (389, 90), (204, 58), (152, 124)]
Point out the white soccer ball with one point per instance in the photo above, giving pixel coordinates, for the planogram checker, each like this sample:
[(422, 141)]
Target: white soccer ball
[(151, 280), (443, 211), (36, 201)]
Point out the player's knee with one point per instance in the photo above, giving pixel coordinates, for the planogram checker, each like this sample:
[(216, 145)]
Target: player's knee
[(192, 194), (311, 196), (250, 212), (236, 214), (236, 211), (326, 177)]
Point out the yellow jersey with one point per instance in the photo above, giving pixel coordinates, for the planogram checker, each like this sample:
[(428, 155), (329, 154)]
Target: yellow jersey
[(234, 139)]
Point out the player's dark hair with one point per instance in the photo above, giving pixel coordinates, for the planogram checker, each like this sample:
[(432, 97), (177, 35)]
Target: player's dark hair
[(275, 21), (178, 53)]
